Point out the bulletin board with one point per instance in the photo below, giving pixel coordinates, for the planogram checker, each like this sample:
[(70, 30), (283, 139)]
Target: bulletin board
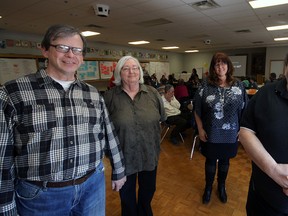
[(89, 70), (159, 68), (106, 69), (13, 68)]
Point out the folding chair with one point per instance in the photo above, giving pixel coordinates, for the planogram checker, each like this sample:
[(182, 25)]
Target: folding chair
[(166, 127), (193, 146)]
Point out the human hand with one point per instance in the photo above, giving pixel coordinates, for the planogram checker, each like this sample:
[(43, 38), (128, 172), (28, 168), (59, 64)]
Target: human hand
[(202, 135), (280, 176), (117, 185)]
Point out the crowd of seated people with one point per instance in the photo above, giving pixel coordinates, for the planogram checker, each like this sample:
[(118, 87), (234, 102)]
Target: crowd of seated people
[(177, 96), (249, 82)]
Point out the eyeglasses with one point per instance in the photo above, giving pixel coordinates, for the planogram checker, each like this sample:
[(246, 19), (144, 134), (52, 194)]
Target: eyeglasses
[(65, 49), (133, 69), (220, 64)]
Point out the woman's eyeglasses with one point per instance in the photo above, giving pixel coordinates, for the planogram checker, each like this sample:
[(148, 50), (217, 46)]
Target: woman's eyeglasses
[(220, 64), (133, 69)]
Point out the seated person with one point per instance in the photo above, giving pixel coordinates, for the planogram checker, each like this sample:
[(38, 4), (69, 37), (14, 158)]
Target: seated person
[(253, 83), (272, 78), (163, 80), (245, 82), (181, 120), (181, 92)]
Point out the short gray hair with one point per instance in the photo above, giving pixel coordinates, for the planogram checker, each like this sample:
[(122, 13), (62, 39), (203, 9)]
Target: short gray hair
[(118, 68)]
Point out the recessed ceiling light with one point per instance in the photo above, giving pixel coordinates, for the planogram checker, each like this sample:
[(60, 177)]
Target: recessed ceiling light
[(281, 39), (171, 47), (273, 28), (138, 42), (265, 3), (89, 33), (191, 51), (0, 17)]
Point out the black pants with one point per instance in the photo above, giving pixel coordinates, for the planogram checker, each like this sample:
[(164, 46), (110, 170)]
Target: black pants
[(210, 170), (181, 122), (256, 206), (146, 190)]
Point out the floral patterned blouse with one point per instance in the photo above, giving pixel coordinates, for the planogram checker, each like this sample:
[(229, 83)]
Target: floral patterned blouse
[(220, 110)]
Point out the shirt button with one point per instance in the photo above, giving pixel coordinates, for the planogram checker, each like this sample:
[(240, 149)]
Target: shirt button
[(100, 136), (71, 142), (71, 160)]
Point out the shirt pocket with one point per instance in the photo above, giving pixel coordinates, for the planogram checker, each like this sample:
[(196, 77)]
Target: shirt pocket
[(91, 112), (37, 118)]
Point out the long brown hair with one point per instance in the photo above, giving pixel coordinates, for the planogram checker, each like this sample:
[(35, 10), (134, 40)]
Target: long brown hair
[(212, 76)]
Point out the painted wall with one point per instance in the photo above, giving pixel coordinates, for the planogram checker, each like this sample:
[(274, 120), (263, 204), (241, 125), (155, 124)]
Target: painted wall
[(175, 59), (178, 62), (272, 54)]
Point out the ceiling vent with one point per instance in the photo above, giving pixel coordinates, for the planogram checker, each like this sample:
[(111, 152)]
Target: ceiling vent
[(204, 5), (258, 42), (93, 26), (241, 31), (155, 22)]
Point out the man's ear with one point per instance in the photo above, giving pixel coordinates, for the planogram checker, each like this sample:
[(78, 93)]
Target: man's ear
[(44, 52)]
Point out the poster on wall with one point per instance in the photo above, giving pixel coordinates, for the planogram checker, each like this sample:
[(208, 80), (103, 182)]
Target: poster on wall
[(89, 70), (13, 68), (107, 68)]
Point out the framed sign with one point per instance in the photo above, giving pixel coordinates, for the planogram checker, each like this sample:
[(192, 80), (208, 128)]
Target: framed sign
[(106, 69), (89, 70), (13, 68)]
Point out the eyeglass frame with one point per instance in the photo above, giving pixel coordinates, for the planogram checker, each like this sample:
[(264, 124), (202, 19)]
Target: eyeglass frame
[(73, 49), (133, 69), (218, 64)]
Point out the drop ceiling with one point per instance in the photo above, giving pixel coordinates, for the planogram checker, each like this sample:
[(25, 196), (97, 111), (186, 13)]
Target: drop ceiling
[(231, 25)]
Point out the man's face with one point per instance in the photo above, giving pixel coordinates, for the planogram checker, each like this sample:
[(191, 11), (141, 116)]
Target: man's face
[(64, 65)]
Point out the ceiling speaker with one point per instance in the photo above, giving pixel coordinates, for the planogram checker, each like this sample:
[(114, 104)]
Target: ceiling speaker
[(102, 10)]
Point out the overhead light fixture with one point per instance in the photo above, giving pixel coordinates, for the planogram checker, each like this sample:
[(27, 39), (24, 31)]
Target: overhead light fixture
[(171, 47), (89, 33), (191, 51), (138, 42), (274, 28), (281, 39), (266, 3)]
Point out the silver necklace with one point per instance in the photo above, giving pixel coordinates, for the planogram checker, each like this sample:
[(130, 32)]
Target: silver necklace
[(222, 94)]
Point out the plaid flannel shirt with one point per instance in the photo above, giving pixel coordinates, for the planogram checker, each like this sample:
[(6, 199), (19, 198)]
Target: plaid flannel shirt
[(48, 134)]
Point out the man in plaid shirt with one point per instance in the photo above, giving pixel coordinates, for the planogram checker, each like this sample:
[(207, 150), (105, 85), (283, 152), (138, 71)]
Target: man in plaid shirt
[(55, 131)]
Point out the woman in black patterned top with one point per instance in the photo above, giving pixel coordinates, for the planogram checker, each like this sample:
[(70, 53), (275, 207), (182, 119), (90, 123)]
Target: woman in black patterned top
[(219, 103)]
